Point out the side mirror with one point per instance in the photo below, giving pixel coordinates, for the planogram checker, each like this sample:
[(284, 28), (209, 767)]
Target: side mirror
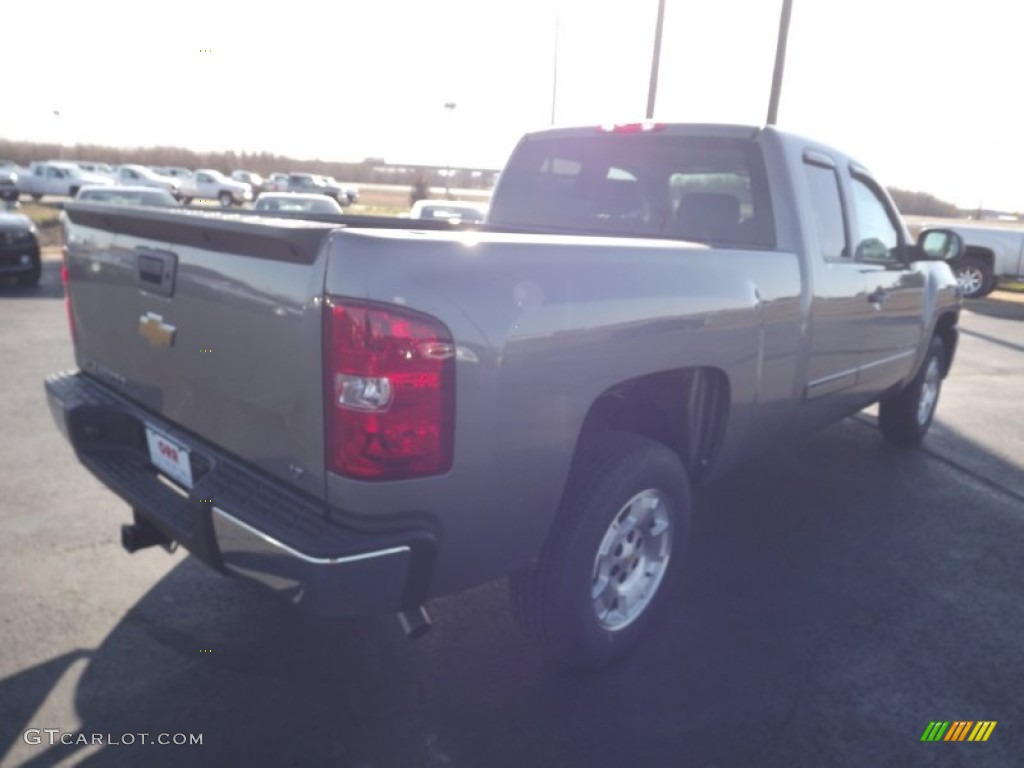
[(941, 244)]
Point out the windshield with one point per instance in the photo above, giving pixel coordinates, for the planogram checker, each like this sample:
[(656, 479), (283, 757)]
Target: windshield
[(711, 190)]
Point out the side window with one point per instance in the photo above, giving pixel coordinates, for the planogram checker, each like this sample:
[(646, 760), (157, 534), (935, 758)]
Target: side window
[(827, 208), (877, 235)]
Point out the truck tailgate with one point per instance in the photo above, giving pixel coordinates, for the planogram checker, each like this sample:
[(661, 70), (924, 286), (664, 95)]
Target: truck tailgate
[(209, 321)]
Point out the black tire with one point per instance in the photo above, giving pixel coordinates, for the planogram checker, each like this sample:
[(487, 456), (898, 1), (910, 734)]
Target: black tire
[(73, 192), (617, 479), (975, 276), (225, 198), (905, 418), (35, 197), (185, 200)]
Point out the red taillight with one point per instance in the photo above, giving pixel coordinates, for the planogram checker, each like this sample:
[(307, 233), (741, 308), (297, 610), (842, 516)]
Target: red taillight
[(644, 127), (390, 392), (67, 291)]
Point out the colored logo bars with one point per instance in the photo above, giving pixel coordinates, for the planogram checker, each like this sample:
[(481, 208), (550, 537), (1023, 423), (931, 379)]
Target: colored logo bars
[(959, 730)]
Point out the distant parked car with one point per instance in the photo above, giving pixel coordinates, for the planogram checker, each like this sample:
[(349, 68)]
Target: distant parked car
[(19, 248), (57, 177), (93, 167), (313, 184), (127, 195), (208, 184), (296, 202), (276, 182), (251, 178), (351, 194), (141, 176), (174, 171), (448, 210), (8, 185)]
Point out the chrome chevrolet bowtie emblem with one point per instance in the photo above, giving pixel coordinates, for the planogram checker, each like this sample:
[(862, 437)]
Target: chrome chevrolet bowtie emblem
[(154, 330)]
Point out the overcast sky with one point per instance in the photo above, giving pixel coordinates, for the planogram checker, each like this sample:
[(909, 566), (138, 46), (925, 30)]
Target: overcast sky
[(922, 92)]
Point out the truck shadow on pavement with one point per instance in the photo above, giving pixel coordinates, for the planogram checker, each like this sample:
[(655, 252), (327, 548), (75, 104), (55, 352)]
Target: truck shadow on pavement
[(836, 598)]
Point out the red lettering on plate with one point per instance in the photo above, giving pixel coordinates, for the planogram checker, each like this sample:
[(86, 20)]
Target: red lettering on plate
[(168, 451)]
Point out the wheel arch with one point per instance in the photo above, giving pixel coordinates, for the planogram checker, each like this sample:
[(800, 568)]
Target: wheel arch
[(982, 252), (685, 409), (946, 329)]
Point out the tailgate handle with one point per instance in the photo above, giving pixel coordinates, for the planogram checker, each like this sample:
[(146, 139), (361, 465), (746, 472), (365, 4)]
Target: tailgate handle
[(157, 270)]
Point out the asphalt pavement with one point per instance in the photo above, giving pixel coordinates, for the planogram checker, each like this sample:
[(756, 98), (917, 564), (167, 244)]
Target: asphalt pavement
[(839, 596)]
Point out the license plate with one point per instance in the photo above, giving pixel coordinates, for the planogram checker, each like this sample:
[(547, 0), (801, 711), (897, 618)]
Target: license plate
[(169, 457)]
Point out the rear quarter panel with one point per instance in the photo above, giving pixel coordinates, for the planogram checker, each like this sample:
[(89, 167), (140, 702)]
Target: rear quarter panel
[(545, 326)]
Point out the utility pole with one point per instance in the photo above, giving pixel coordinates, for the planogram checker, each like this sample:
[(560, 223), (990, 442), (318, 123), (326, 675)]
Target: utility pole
[(60, 135), (780, 62), (652, 92), (554, 67), (450, 106)]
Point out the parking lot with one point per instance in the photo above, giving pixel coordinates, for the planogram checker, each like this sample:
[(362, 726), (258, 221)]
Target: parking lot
[(839, 596)]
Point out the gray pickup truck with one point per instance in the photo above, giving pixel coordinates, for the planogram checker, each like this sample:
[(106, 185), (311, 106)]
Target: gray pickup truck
[(364, 414)]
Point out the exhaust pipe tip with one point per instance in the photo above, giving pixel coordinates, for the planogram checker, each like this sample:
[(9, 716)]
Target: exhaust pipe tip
[(415, 622), (141, 535), (129, 538)]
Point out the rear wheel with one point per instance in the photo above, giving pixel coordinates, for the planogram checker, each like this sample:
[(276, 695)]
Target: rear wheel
[(975, 277), (622, 525), (905, 418)]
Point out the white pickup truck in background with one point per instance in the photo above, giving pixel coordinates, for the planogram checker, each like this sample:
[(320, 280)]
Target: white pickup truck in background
[(58, 178), (991, 251), (140, 176), (207, 184)]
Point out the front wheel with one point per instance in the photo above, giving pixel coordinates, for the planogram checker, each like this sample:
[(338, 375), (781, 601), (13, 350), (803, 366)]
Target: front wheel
[(904, 418), (975, 277), (621, 528), (225, 199)]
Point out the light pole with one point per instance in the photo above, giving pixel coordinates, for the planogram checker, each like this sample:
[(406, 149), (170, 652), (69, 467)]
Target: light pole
[(450, 106), (652, 90), (60, 139), (780, 62), (554, 68)]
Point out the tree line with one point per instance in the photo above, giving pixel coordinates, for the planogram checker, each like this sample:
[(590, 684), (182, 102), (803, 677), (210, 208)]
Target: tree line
[(369, 171)]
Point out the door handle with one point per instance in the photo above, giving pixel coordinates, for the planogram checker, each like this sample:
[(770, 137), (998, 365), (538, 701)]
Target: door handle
[(878, 297)]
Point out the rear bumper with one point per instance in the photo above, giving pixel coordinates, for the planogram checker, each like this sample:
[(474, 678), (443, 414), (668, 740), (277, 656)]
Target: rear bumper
[(239, 521)]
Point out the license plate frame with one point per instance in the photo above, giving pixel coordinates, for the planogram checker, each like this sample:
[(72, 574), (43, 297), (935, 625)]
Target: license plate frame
[(170, 457)]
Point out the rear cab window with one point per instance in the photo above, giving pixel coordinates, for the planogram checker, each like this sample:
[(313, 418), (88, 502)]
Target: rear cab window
[(706, 189), (827, 207)]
